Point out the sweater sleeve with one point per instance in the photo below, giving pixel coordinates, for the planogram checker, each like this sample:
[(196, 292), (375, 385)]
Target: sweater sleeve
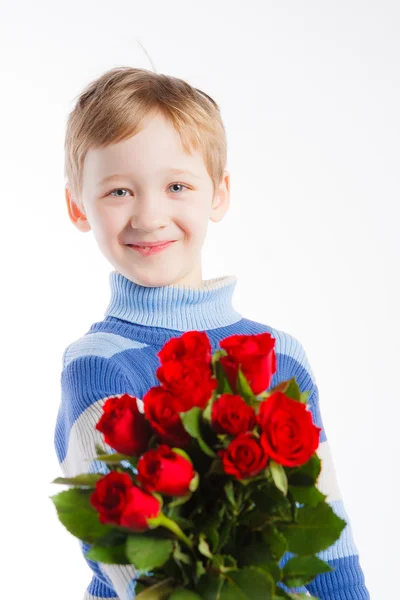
[(346, 581), (86, 382)]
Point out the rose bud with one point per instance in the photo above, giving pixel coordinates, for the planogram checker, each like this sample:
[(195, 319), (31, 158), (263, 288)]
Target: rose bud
[(255, 355), (165, 471), (231, 414), (192, 381), (193, 345), (244, 457), (111, 496), (140, 507), (125, 428), (289, 435), (162, 409)]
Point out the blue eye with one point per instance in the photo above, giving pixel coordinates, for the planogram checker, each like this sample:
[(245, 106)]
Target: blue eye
[(181, 184), (124, 190), (117, 190)]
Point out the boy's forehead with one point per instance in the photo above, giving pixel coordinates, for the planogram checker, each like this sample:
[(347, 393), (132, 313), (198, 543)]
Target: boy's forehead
[(133, 156), (169, 170)]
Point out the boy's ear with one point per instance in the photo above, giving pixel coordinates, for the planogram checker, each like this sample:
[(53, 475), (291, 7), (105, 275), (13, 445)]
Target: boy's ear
[(221, 198), (76, 214)]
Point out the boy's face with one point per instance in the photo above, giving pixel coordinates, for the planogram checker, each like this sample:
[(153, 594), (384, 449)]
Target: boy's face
[(148, 202)]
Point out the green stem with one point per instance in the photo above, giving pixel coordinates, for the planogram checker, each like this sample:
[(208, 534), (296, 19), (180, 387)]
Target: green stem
[(164, 521), (160, 590)]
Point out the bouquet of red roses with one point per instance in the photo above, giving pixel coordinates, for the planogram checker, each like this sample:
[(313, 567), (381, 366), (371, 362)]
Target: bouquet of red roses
[(212, 480)]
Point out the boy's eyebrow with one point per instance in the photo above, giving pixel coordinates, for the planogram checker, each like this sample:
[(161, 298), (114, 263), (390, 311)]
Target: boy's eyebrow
[(173, 171)]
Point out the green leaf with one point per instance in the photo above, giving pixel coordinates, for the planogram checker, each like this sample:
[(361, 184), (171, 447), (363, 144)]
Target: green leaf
[(216, 468), (279, 594), (115, 457), (84, 479), (316, 529), (224, 562), (258, 554), (250, 583), (183, 453), (179, 500), (147, 552), (159, 591), (207, 412), (307, 495), (224, 439), (304, 397), (271, 501), (275, 541), (211, 528), (181, 556), (79, 516), (279, 476), (200, 570), (307, 474), (264, 395), (256, 519), (280, 387), (140, 587), (209, 584), (225, 532), (301, 570), (203, 546), (292, 390), (244, 389), (223, 386), (182, 522), (230, 493), (191, 421), (194, 483), (289, 387), (99, 448), (182, 594), (115, 537), (108, 554)]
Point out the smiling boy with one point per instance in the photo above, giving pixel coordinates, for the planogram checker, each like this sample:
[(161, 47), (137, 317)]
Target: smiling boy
[(145, 163), (144, 190)]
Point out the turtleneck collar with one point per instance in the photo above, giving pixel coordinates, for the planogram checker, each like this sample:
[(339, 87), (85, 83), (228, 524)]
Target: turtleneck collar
[(176, 306)]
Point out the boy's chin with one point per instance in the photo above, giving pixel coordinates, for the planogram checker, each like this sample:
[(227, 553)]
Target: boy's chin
[(148, 277), (159, 277)]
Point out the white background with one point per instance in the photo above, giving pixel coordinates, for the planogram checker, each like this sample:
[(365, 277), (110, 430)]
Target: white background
[(309, 94)]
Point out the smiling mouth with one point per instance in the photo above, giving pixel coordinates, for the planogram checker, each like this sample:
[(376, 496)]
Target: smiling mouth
[(149, 250), (151, 244)]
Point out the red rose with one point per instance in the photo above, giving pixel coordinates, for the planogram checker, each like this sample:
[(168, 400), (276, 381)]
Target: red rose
[(244, 457), (191, 381), (231, 414), (165, 471), (140, 507), (162, 410), (111, 496), (192, 344), (288, 432), (255, 355), (125, 429)]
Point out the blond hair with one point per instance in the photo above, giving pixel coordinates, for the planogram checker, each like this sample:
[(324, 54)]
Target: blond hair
[(113, 107)]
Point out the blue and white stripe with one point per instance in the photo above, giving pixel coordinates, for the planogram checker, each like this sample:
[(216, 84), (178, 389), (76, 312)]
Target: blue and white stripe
[(119, 355)]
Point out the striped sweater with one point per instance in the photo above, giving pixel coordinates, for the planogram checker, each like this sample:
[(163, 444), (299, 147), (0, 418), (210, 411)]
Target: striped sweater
[(119, 355)]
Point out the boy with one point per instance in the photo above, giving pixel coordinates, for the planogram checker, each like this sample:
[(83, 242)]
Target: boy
[(145, 161)]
